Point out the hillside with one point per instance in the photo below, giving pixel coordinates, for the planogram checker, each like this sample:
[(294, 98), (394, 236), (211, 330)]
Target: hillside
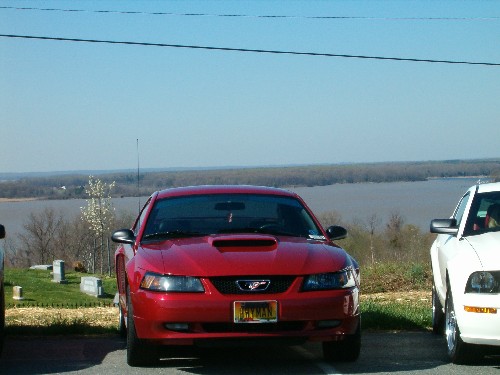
[(129, 183)]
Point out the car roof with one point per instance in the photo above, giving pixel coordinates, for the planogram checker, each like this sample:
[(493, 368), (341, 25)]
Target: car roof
[(223, 189), (492, 186)]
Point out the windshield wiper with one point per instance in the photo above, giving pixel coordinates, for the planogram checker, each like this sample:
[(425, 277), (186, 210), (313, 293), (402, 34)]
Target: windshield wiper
[(171, 234)]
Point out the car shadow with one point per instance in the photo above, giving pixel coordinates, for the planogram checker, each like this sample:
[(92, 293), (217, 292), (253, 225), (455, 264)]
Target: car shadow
[(382, 352), (239, 360), (56, 354)]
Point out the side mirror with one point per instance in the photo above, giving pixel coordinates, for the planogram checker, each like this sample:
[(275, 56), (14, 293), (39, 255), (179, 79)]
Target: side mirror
[(123, 236), (2, 231), (336, 232), (444, 226)]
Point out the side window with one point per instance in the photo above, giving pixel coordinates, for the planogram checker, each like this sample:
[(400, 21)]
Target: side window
[(459, 212)]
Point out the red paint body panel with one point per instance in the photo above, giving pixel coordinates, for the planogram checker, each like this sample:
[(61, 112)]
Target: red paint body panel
[(196, 257)]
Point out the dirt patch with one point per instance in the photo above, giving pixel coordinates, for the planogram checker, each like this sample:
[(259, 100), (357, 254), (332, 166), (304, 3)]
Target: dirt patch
[(105, 317), (410, 296)]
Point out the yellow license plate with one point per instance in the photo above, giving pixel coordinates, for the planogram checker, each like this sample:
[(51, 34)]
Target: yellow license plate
[(255, 311)]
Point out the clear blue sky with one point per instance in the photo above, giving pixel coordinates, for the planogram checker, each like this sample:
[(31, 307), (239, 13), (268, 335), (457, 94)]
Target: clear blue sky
[(74, 106)]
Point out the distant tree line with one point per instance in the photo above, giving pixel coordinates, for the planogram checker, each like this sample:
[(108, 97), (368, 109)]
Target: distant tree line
[(127, 184), (83, 241), (49, 235)]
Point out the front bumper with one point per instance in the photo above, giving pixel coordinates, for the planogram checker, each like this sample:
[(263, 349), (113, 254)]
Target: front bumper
[(302, 316), (479, 328)]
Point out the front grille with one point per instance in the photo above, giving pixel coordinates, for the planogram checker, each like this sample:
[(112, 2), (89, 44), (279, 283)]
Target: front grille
[(228, 285), (253, 328)]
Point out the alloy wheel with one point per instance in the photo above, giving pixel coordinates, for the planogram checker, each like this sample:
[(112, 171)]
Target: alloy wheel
[(451, 325)]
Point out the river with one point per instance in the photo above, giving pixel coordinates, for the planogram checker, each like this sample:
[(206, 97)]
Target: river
[(416, 202)]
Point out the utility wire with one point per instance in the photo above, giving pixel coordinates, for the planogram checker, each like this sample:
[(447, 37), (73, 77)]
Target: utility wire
[(249, 50), (257, 16)]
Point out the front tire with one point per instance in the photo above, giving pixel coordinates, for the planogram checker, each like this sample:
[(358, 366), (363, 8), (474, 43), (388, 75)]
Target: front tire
[(459, 352), (346, 350), (122, 325), (138, 352), (437, 313)]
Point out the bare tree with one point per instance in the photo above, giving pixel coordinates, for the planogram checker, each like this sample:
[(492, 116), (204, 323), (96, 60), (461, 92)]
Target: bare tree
[(14, 257), (39, 241), (372, 223), (394, 230), (75, 240), (330, 218)]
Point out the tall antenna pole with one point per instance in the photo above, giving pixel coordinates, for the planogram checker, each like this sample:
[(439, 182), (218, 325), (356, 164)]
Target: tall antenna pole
[(138, 177)]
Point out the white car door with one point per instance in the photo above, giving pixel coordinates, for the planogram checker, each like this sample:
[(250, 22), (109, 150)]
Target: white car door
[(447, 244)]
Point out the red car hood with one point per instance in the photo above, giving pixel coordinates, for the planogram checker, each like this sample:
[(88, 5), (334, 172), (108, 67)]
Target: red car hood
[(241, 255)]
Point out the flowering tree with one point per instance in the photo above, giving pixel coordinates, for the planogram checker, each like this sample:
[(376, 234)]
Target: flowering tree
[(99, 212)]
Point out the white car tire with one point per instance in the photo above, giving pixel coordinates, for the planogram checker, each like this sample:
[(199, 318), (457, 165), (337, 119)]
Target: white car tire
[(459, 352), (437, 313)]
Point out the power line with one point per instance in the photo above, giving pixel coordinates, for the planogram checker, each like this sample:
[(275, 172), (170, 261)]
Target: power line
[(254, 16), (229, 49)]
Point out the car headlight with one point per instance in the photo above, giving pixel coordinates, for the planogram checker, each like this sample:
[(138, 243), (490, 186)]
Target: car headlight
[(333, 280), (483, 282), (168, 283)]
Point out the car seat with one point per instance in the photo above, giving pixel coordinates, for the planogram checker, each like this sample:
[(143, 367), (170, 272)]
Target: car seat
[(492, 219)]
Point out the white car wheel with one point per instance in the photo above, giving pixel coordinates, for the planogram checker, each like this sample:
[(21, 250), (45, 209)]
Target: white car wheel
[(458, 351)]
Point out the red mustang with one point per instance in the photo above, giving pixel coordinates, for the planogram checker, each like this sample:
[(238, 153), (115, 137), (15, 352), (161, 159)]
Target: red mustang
[(234, 264)]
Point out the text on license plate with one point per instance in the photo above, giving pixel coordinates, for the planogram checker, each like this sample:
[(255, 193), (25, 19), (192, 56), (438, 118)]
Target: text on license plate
[(255, 311)]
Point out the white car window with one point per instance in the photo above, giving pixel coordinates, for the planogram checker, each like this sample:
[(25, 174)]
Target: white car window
[(484, 214)]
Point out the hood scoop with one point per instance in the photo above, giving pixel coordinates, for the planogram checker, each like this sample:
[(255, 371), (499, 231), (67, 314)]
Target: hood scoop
[(244, 243)]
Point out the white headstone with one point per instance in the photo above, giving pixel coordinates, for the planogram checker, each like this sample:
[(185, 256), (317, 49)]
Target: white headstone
[(17, 293), (92, 285), (58, 272)]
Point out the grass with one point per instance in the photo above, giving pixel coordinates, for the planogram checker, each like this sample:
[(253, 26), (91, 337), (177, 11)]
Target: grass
[(40, 290), (395, 277), (397, 311), (394, 297), (50, 308)]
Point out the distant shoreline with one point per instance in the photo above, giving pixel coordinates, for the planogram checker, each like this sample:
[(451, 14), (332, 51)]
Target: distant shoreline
[(9, 200), (482, 179), (127, 184)]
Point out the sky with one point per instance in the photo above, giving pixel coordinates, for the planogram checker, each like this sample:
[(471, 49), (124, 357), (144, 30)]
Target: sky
[(69, 106)]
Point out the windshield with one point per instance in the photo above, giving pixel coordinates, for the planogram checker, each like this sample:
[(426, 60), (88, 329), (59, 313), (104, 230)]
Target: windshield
[(200, 215)]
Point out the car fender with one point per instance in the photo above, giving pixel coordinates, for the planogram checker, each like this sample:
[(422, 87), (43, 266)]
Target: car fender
[(440, 256), (125, 265), (459, 269), (132, 275), (438, 278)]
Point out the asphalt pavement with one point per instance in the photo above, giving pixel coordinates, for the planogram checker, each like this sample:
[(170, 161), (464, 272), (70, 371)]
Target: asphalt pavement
[(382, 353)]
